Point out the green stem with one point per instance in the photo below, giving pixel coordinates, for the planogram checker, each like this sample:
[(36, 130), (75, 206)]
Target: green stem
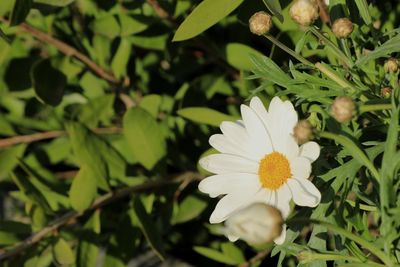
[(335, 257), (354, 150), (362, 242), (288, 50), (332, 75), (374, 107), (335, 49), (362, 206)]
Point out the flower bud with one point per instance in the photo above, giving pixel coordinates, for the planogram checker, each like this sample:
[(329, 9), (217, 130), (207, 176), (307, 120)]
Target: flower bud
[(343, 109), (342, 27), (256, 224), (260, 23), (391, 65), (305, 257), (303, 132), (304, 12), (386, 92)]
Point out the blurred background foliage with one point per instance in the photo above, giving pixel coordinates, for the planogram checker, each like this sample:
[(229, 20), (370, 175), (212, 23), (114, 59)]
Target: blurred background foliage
[(103, 119)]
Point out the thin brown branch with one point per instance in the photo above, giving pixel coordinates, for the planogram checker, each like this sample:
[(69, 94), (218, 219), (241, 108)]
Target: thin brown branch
[(323, 12), (67, 50), (161, 12), (26, 139), (98, 203), (259, 256)]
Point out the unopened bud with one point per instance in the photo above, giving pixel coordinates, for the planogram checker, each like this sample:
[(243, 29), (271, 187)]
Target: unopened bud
[(342, 27), (304, 12), (391, 65), (257, 224), (260, 23), (303, 132), (386, 92), (343, 109)]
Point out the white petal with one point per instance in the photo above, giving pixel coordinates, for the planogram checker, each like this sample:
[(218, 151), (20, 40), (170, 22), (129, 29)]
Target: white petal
[(300, 167), (284, 196), (310, 150), (226, 163), (281, 239), (257, 105), (234, 131), (259, 137), (224, 145), (232, 238), (229, 183), (287, 145), (228, 205), (304, 192)]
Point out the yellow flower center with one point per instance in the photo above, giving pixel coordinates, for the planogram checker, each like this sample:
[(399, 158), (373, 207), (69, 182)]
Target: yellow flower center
[(274, 170)]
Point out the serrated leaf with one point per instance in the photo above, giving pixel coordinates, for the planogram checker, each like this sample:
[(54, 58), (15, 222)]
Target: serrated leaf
[(148, 228), (238, 55), (387, 48), (20, 11), (63, 253), (205, 116), (83, 189), (144, 137), (48, 82), (205, 15)]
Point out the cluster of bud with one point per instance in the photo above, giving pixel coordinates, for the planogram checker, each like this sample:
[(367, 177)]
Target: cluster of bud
[(260, 23), (304, 12), (391, 65), (303, 132), (343, 109)]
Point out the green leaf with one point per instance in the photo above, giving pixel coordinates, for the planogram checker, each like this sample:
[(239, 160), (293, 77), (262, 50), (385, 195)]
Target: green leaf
[(275, 8), (148, 228), (48, 82), (107, 26), (99, 109), (233, 251), (133, 24), (362, 6), (58, 3), (144, 137), (215, 255), (20, 11), (88, 247), (238, 55), (151, 103), (121, 58), (387, 48), (62, 252), (188, 209), (205, 116), (205, 15), (9, 159), (83, 189)]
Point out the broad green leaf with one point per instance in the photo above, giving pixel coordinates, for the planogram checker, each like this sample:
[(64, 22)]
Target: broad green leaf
[(121, 58), (275, 8), (151, 103), (9, 159), (362, 6), (144, 137), (387, 48), (215, 255), (238, 55), (205, 15), (96, 110), (233, 251), (63, 253), (148, 228), (48, 82), (107, 26), (205, 116), (58, 3), (133, 24), (20, 11), (88, 248), (83, 189), (189, 209)]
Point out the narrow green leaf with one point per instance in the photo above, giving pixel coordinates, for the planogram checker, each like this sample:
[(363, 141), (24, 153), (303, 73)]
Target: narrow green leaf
[(387, 48), (148, 228), (83, 189), (238, 55), (48, 82), (362, 6), (121, 58), (63, 253), (205, 15), (88, 247), (58, 3), (205, 116), (144, 137), (215, 255), (275, 8), (20, 11)]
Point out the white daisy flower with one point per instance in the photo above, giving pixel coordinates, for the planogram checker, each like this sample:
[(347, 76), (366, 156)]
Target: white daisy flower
[(260, 161), (256, 224)]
